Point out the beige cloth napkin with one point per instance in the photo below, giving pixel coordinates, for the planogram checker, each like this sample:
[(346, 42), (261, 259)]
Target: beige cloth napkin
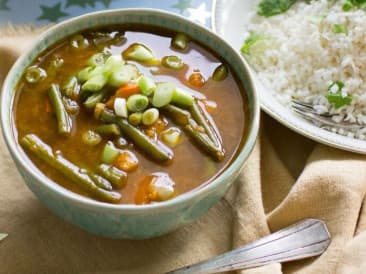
[(287, 178)]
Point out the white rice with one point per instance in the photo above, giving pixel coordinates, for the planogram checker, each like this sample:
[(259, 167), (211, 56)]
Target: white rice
[(301, 56)]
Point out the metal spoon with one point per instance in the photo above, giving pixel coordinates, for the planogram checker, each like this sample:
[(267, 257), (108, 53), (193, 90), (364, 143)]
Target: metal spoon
[(304, 239)]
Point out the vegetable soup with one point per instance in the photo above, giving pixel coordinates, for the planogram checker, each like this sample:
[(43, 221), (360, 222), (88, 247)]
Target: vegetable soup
[(130, 115)]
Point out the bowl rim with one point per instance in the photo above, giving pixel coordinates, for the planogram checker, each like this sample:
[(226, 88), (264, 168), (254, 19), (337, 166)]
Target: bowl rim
[(20, 158)]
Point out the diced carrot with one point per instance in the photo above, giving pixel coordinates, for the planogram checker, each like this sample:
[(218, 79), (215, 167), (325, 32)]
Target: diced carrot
[(196, 79), (110, 103), (160, 125), (143, 191), (154, 130), (127, 90), (151, 133), (126, 161)]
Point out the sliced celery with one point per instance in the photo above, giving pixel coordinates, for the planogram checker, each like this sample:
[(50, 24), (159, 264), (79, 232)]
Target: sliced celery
[(122, 75), (163, 94), (150, 116), (137, 103), (182, 97), (120, 107), (135, 118), (118, 78), (95, 83), (138, 52), (172, 62), (83, 74), (110, 153), (113, 62), (146, 85)]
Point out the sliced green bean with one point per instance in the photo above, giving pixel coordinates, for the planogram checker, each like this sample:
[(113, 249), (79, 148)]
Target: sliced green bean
[(64, 122), (204, 119), (204, 141), (180, 41), (35, 74), (100, 181), (184, 119), (172, 62), (116, 176), (155, 149), (179, 116), (71, 88), (110, 129), (220, 73), (93, 100), (71, 106), (77, 175)]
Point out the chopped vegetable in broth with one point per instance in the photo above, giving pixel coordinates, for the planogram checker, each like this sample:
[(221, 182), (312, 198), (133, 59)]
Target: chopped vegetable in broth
[(131, 116)]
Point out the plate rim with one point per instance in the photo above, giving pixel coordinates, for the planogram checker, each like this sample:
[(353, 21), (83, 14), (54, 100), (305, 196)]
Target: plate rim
[(297, 124)]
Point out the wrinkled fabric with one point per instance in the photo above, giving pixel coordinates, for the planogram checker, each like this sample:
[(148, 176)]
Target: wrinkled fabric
[(287, 178)]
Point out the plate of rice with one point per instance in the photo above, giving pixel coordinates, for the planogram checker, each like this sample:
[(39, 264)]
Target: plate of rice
[(312, 51)]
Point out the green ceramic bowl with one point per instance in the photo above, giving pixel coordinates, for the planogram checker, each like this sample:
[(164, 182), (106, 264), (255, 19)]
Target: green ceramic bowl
[(127, 221)]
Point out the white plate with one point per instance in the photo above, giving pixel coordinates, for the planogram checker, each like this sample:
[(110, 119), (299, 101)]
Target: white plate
[(228, 20)]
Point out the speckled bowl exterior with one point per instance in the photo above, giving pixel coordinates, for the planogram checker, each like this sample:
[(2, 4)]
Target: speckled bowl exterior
[(127, 221)]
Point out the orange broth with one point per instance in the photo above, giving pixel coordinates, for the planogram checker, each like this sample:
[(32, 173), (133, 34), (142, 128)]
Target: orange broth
[(189, 169)]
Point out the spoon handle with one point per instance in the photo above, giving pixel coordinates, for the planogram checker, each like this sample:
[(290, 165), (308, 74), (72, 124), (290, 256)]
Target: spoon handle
[(304, 239)]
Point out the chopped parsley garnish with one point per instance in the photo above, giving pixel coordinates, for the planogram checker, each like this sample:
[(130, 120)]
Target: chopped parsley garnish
[(350, 4), (338, 28), (336, 97), (250, 41), (347, 5), (269, 8)]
